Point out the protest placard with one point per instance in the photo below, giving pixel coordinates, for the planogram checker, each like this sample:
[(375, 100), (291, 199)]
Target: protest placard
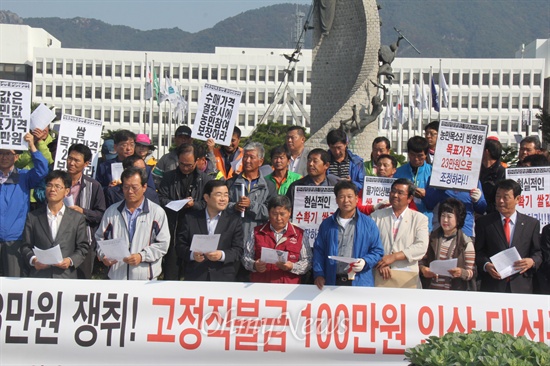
[(312, 204), (15, 114), (535, 196), (216, 114), (458, 153), (78, 130), (376, 190)]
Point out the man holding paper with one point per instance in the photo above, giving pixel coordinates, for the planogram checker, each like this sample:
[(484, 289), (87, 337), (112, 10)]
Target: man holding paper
[(278, 251), (503, 230), (51, 226), (143, 226), (201, 227), (347, 234)]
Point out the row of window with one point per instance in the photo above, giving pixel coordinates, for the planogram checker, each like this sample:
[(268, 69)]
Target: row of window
[(128, 93), (187, 72), (493, 78)]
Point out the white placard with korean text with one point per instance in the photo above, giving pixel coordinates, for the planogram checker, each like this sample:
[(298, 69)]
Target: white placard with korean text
[(376, 189), (216, 114), (156, 322), (15, 114), (535, 192), (313, 204), (78, 130), (458, 153)]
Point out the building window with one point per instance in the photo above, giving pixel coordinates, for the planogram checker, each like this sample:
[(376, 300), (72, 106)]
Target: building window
[(271, 75), (137, 93), (475, 102), (281, 75), (308, 99), (261, 75), (195, 73), (39, 67), (525, 103), (137, 71), (108, 93), (68, 91), (48, 91), (251, 97), (97, 92), (505, 79), (127, 116), (88, 92), (485, 102), (59, 68), (242, 74), (127, 71), (59, 91), (261, 97), (204, 73), (97, 114), (68, 111), (252, 75), (308, 76), (116, 116), (136, 117), (526, 79), (515, 125), (214, 73), (485, 79), (515, 102), (118, 71), (301, 76), (516, 79), (465, 79), (475, 79), (127, 94), (99, 69), (251, 120), (38, 91), (496, 79), (107, 115), (464, 102), (88, 113), (49, 68), (241, 119), (536, 79), (194, 95), (407, 78), (505, 102), (185, 73), (494, 102), (454, 101), (68, 68), (176, 72), (233, 74), (456, 78), (536, 103), (494, 125), (118, 93), (223, 74), (166, 72), (108, 70), (79, 68), (89, 69)]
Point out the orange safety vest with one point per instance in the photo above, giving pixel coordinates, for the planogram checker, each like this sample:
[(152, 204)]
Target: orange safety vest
[(220, 164)]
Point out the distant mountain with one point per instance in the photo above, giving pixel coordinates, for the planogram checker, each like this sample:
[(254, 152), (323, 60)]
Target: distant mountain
[(438, 28)]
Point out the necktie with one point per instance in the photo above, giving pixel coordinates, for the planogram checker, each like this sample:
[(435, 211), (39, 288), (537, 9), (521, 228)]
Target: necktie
[(507, 229)]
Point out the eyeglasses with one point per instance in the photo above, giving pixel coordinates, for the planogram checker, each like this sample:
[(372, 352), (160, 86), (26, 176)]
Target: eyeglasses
[(188, 166), (6, 153), (399, 193), (130, 188), (125, 145), (57, 187)]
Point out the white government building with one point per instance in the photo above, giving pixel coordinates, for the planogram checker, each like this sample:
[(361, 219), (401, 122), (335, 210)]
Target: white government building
[(108, 85)]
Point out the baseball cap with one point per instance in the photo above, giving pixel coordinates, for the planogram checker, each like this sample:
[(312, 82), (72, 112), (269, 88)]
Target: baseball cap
[(108, 149), (183, 131)]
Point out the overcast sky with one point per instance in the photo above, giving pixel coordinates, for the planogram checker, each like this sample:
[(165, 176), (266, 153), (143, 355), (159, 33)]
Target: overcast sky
[(188, 15)]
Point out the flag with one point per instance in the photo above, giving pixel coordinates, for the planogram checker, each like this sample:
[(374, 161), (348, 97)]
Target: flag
[(399, 109), (171, 93), (411, 105), (444, 90), (180, 109), (388, 117), (156, 86), (417, 97), (425, 93), (148, 84), (435, 98)]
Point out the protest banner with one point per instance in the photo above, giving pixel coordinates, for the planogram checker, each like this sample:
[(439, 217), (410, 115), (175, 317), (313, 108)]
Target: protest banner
[(15, 114), (51, 321), (78, 130), (312, 204), (376, 189), (458, 153), (216, 114), (535, 196)]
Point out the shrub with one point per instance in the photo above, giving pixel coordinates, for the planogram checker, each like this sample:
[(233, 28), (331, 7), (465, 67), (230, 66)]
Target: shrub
[(483, 348)]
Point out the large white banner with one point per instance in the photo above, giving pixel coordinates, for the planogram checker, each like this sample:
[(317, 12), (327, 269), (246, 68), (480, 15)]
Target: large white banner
[(53, 322), (458, 153), (78, 130), (15, 113), (376, 189), (216, 114), (312, 204), (535, 195)]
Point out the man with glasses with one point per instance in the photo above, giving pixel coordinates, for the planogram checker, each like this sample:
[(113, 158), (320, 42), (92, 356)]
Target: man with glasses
[(184, 182), (55, 225), (431, 132), (404, 233), (143, 226), (125, 144), (15, 186)]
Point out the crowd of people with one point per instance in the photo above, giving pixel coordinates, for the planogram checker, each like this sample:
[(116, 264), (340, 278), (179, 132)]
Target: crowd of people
[(228, 190)]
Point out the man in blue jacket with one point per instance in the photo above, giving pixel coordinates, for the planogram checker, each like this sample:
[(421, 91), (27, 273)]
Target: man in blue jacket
[(347, 233), (15, 186), (343, 163)]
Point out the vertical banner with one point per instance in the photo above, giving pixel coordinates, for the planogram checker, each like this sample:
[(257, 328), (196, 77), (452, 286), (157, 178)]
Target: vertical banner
[(78, 130), (216, 114), (312, 204), (376, 190), (15, 114), (535, 195), (458, 153)]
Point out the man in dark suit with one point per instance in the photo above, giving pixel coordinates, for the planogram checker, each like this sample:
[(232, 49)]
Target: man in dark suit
[(223, 263), (88, 198), (501, 230), (55, 224)]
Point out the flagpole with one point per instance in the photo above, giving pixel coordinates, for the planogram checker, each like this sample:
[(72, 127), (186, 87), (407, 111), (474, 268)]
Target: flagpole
[(421, 114), (430, 99), (152, 105), (401, 117), (439, 96), (145, 100)]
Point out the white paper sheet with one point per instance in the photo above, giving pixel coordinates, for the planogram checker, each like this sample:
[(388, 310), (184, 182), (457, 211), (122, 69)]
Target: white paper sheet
[(343, 259), (41, 117), (114, 249), (116, 170), (205, 243), (177, 205), (241, 188), (48, 256), (442, 267), (273, 256), (68, 201), (504, 262)]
